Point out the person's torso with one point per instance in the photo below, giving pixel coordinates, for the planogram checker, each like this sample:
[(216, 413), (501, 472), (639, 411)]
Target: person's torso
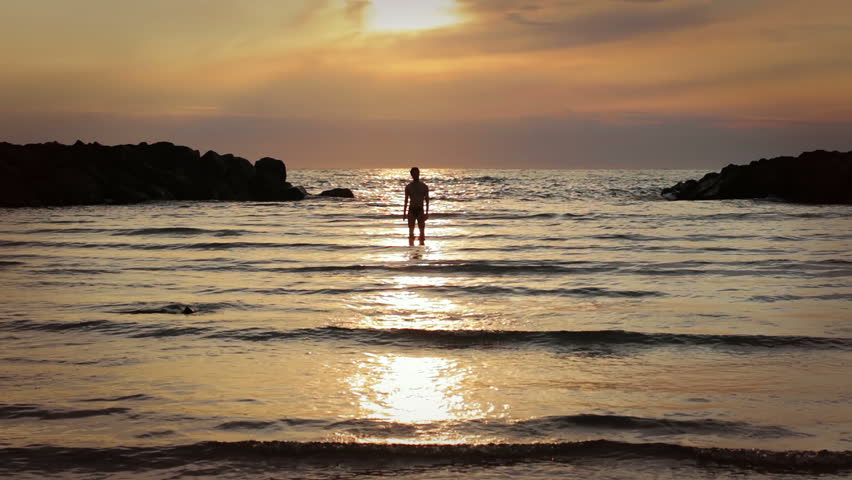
[(417, 191)]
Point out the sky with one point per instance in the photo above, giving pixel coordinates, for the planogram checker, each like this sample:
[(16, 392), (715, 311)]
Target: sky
[(435, 83)]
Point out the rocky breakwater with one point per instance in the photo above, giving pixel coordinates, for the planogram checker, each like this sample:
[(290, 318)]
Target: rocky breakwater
[(812, 177), (54, 174)]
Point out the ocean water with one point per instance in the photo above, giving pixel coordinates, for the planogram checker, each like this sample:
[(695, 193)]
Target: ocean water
[(554, 324)]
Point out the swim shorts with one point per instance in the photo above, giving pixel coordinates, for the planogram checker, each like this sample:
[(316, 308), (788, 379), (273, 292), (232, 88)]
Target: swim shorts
[(415, 213)]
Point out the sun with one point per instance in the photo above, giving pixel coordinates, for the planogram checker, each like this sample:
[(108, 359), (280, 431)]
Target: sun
[(410, 15)]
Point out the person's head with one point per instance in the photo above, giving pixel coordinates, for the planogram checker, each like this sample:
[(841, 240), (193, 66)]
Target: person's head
[(415, 173)]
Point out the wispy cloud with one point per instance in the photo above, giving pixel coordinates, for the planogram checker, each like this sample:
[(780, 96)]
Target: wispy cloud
[(318, 62)]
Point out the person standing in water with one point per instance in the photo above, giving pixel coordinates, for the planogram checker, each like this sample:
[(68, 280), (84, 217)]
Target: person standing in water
[(416, 194)]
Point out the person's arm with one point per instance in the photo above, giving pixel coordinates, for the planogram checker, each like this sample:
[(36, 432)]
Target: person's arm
[(427, 202), (405, 205)]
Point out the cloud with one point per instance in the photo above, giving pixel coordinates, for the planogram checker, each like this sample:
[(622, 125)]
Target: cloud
[(355, 10), (235, 73), (504, 26)]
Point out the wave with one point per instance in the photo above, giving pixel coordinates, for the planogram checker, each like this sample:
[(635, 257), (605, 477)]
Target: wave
[(46, 361), (581, 341), (172, 308), (787, 298), (658, 426), (246, 425), (74, 221), (834, 268), (247, 245), (543, 426), (156, 434), (822, 268), (633, 237), (66, 231), (564, 338), (476, 214), (128, 329), (765, 216), (178, 246), (181, 231), (550, 428), (8, 412), (53, 458), (517, 268), (470, 267), (124, 398), (588, 292)]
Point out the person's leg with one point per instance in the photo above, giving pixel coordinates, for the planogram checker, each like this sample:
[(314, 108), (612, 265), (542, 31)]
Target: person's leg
[(411, 220), (421, 223)]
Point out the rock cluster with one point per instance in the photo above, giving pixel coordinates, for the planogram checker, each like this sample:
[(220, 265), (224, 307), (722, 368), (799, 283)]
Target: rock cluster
[(55, 174), (338, 192), (812, 177)]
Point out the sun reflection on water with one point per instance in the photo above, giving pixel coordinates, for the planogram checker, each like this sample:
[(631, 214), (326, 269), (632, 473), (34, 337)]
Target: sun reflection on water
[(422, 399), (428, 393), (409, 309), (410, 389)]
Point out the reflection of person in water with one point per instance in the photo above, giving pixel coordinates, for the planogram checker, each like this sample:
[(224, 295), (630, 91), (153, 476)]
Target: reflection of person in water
[(417, 193)]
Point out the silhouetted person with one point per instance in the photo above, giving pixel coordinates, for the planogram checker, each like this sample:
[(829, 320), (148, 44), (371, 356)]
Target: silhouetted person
[(418, 193)]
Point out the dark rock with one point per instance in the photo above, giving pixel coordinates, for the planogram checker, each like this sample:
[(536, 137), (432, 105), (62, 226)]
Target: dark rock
[(211, 165), (294, 193), (812, 177), (271, 168), (74, 187), (55, 174), (239, 174), (338, 192), (286, 192), (270, 182)]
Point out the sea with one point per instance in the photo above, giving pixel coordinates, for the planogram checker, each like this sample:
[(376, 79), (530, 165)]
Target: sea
[(563, 324)]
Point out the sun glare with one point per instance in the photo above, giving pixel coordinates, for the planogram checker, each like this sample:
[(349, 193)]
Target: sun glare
[(406, 389), (404, 15)]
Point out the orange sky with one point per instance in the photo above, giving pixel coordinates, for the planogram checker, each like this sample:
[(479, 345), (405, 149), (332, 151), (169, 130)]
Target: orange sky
[(497, 83)]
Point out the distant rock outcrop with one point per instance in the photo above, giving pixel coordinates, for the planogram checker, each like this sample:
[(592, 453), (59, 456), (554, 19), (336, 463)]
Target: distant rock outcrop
[(55, 174), (812, 177), (338, 192)]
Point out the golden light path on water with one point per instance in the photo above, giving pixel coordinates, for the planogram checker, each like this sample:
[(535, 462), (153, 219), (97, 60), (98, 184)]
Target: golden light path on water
[(428, 392), (415, 390)]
